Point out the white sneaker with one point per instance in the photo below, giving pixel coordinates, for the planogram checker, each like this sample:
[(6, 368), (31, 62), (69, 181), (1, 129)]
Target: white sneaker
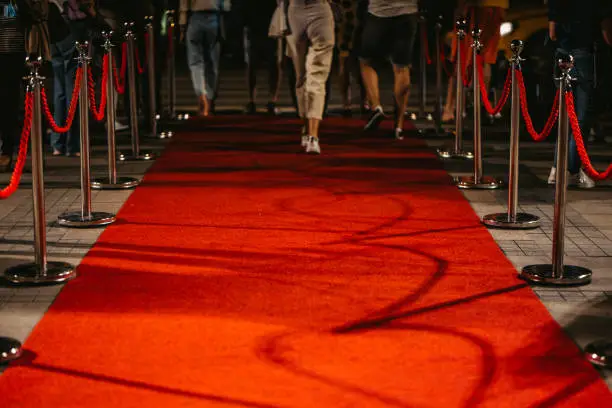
[(583, 180), (305, 139), (313, 146), (552, 177), (399, 134), (120, 126)]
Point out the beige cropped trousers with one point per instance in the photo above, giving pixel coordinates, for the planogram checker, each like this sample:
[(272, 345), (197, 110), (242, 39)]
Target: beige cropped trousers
[(311, 46)]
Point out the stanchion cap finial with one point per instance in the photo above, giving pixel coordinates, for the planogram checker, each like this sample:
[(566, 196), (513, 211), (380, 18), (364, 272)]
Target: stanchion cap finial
[(516, 46), (566, 63), (461, 24), (476, 32)]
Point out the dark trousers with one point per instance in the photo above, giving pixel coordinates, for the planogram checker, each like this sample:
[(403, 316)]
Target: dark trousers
[(10, 103)]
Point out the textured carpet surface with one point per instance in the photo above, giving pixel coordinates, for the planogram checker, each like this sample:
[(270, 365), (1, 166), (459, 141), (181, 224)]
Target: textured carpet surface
[(244, 273)]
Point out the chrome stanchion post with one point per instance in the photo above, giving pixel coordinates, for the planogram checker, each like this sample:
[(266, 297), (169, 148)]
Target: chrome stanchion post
[(456, 151), (41, 271), (112, 182), (422, 114), (131, 63), (477, 181), (557, 273), (10, 349), (86, 217), (512, 219), (171, 71), (153, 115), (439, 87)]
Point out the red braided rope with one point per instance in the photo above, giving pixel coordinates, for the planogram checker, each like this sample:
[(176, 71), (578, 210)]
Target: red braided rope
[(552, 119), (425, 44), (584, 157), (483, 91), (72, 109), (120, 79), (98, 113), (23, 148)]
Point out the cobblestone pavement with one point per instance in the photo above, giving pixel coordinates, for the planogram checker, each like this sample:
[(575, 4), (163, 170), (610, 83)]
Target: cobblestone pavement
[(583, 312)]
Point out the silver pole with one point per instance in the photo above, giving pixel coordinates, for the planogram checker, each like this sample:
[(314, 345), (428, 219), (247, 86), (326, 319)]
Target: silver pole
[(112, 182), (171, 66), (439, 90), (131, 62), (83, 49), (557, 273), (456, 151), (151, 75), (477, 180), (423, 87), (110, 111), (41, 271), (85, 218), (512, 219), (131, 49)]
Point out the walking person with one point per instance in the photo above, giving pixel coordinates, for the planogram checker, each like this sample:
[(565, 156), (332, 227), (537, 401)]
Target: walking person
[(204, 33), (572, 25), (389, 32), (311, 46), (256, 16), (487, 15)]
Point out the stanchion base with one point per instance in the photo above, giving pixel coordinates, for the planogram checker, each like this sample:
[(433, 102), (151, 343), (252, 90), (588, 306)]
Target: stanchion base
[(543, 275), (143, 156), (10, 349), (451, 153), (122, 183), (75, 219), (485, 183), (599, 353), (31, 273), (166, 134), (502, 220)]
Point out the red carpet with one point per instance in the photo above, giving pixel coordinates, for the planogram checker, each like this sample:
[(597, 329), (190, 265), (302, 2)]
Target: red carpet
[(244, 273)]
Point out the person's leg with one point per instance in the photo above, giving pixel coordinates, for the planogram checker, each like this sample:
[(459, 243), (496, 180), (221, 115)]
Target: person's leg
[(59, 97), (583, 91), (275, 74), (344, 76), (73, 136), (195, 59), (212, 57), (298, 49), (374, 46), (9, 106), (251, 68), (320, 33), (405, 29)]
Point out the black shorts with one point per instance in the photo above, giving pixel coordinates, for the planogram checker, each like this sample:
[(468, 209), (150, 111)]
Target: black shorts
[(389, 38)]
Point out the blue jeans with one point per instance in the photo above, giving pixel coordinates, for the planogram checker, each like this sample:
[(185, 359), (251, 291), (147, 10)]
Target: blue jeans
[(203, 52), (582, 89), (64, 71)]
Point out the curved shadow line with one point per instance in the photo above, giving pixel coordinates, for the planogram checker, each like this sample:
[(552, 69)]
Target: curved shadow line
[(144, 386), (268, 351)]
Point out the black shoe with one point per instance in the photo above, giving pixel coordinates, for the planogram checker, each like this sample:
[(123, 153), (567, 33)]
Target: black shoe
[(376, 117), (272, 109), (250, 108)]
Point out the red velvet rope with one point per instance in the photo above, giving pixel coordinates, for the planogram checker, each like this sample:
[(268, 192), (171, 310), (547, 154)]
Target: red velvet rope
[(71, 111), (425, 44), (98, 113), (552, 119), (584, 157), (23, 148), (483, 91), (120, 79)]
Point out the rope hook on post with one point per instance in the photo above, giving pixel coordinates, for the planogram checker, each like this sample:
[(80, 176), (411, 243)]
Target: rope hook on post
[(512, 219), (130, 38), (557, 273), (456, 151), (112, 182), (41, 271), (477, 180), (85, 217)]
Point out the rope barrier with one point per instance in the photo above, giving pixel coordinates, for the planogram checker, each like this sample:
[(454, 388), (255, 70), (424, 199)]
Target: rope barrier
[(120, 77), (584, 157), (23, 148), (71, 111), (483, 90), (552, 119), (98, 113)]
